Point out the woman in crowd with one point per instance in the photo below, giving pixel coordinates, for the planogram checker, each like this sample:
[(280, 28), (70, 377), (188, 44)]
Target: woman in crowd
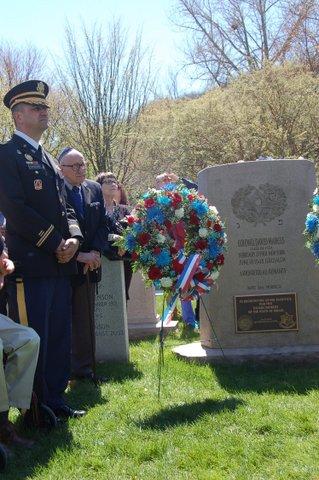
[(115, 201)]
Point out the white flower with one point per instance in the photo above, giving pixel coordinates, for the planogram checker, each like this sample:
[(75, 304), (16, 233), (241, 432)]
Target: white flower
[(315, 208), (213, 210), (179, 213), (214, 275), (161, 238), (203, 232), (166, 282)]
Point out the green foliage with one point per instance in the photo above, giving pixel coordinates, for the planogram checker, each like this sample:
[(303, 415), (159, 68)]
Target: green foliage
[(272, 112)]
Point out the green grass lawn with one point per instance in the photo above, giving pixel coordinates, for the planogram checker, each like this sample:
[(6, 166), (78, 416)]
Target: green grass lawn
[(225, 422)]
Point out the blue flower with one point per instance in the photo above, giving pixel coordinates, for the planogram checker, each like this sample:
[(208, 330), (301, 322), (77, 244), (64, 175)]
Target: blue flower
[(157, 284), (156, 214), (185, 192), (311, 223), (213, 248), (315, 200), (203, 263), (130, 243), (163, 259), (169, 187), (164, 201), (214, 235), (201, 208), (137, 228), (315, 249), (146, 257)]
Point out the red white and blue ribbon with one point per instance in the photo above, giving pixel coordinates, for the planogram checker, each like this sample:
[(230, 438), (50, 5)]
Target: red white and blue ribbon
[(190, 267)]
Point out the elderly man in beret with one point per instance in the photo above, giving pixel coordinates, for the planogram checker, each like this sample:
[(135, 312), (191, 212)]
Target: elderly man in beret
[(86, 197), (20, 344), (42, 237)]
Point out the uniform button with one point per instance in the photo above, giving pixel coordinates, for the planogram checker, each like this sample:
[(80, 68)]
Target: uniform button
[(63, 213)]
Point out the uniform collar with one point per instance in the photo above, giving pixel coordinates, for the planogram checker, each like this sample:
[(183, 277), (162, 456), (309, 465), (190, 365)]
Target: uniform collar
[(28, 139)]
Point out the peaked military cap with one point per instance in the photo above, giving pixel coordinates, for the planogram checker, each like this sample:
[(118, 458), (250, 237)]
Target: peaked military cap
[(33, 92)]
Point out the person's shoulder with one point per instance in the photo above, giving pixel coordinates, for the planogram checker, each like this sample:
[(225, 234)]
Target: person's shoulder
[(7, 144), (92, 185), (9, 148)]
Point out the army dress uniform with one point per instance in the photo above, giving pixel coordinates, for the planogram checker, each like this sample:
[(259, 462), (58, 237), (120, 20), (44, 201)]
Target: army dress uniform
[(32, 198)]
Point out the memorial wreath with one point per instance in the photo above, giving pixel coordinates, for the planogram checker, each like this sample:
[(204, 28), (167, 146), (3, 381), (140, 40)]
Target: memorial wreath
[(177, 240), (311, 231)]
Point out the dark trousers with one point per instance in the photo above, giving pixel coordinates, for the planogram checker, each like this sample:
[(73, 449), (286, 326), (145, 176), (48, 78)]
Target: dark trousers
[(3, 300), (83, 329), (44, 303)]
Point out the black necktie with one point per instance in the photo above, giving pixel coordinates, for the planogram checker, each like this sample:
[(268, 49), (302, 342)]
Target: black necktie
[(40, 152)]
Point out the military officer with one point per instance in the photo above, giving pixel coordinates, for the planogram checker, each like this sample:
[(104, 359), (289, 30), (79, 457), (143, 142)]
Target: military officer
[(86, 198), (42, 237)]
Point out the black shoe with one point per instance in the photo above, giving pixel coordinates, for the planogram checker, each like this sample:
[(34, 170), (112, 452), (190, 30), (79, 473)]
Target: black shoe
[(40, 416), (67, 412)]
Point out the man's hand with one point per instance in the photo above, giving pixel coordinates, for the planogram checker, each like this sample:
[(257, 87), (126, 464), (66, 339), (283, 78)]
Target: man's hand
[(67, 251), (6, 267), (60, 247), (91, 259)]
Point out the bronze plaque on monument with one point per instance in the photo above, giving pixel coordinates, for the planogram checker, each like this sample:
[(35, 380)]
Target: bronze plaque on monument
[(266, 313)]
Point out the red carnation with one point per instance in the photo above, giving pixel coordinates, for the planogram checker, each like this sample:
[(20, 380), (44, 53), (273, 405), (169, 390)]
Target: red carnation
[(173, 250), (217, 227), (177, 198), (209, 223), (134, 256), (130, 219), (210, 265), (154, 273), (190, 197), (149, 202), (220, 259), (144, 238), (157, 250), (200, 276), (201, 244), (168, 224), (193, 218), (177, 267)]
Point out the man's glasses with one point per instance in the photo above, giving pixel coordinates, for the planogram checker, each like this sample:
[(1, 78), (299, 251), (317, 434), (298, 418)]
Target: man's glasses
[(76, 167)]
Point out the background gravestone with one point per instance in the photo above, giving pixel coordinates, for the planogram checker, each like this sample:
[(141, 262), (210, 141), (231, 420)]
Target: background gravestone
[(143, 320), (141, 309), (267, 300), (110, 314)]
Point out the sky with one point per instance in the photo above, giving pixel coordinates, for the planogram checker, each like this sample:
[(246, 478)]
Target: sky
[(42, 23)]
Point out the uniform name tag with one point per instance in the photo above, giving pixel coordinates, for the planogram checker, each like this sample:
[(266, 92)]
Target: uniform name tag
[(34, 166), (38, 184)]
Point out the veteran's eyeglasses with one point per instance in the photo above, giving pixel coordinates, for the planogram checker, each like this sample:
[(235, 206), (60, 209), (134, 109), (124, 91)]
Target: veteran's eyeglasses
[(76, 167)]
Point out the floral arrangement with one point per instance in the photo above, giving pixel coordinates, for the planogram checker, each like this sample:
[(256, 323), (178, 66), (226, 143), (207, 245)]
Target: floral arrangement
[(311, 231), (166, 227)]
